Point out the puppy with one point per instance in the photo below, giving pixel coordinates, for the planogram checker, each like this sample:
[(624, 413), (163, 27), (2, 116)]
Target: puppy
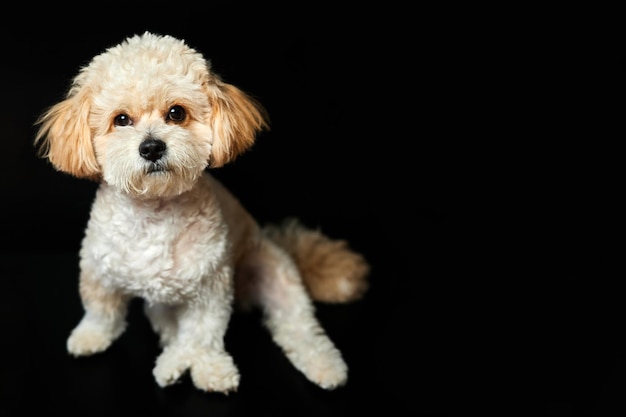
[(147, 119)]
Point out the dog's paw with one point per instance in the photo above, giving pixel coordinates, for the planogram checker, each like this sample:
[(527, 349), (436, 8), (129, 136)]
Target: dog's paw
[(215, 372), (210, 371), (170, 365), (317, 358), (326, 369), (89, 337)]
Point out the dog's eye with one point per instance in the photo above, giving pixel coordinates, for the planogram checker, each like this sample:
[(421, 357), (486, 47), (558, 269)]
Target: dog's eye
[(176, 114), (122, 120)]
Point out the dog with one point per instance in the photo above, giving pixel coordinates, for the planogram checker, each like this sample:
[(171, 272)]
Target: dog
[(148, 119)]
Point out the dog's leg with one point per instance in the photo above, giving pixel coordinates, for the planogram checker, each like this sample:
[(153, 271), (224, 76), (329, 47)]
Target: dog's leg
[(104, 319), (163, 321), (198, 344), (271, 280)]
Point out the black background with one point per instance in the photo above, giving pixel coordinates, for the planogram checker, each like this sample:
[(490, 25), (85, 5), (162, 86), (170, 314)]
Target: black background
[(468, 158)]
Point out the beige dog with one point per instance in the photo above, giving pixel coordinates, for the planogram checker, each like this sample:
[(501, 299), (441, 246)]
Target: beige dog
[(145, 119)]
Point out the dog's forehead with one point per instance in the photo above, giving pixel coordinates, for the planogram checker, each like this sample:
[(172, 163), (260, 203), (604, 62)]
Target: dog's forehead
[(144, 62)]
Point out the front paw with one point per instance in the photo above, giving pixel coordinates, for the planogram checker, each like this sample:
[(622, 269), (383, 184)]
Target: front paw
[(90, 337), (170, 365), (210, 371), (215, 372)]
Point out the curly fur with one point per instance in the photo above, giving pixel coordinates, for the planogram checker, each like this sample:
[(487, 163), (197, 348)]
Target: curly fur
[(145, 119)]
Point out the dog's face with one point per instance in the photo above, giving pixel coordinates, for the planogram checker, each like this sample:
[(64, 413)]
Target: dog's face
[(148, 116)]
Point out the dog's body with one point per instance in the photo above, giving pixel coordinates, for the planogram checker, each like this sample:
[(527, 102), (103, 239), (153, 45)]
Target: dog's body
[(145, 119)]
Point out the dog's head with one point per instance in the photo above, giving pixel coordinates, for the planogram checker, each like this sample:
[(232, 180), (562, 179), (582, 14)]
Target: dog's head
[(148, 116)]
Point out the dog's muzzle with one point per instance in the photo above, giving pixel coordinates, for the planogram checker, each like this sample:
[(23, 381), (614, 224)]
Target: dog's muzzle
[(153, 150)]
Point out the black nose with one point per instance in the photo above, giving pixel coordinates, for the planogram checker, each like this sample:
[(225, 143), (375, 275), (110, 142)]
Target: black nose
[(152, 149)]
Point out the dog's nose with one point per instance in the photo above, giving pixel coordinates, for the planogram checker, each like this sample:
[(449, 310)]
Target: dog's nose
[(152, 149)]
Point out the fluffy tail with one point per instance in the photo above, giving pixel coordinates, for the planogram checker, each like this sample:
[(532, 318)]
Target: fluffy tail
[(331, 270)]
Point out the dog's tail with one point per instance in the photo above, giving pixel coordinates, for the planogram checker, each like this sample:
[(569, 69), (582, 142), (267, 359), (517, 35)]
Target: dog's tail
[(332, 272)]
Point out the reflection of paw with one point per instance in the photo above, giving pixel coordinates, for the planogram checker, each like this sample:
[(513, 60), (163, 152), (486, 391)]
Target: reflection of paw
[(215, 372), (89, 338)]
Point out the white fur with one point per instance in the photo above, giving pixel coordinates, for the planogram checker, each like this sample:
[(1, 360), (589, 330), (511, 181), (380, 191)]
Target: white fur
[(163, 229)]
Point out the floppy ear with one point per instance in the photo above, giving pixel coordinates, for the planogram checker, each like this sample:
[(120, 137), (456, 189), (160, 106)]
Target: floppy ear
[(64, 137), (235, 120)]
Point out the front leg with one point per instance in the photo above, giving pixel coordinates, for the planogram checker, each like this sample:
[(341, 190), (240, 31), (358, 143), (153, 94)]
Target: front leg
[(104, 319), (198, 344)]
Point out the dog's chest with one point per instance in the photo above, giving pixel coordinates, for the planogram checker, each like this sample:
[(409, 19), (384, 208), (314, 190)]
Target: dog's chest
[(161, 251)]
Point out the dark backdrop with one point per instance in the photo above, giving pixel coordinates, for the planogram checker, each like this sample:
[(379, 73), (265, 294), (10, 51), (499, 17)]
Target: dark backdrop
[(434, 141)]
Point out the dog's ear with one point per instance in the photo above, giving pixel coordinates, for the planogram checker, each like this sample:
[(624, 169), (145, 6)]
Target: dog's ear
[(236, 119), (64, 136)]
